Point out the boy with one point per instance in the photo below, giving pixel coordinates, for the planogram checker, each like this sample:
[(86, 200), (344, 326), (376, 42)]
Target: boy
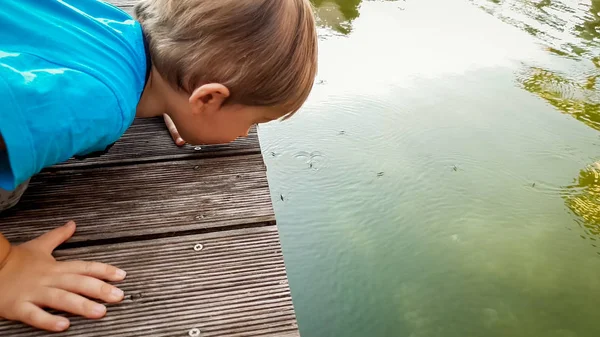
[(75, 73)]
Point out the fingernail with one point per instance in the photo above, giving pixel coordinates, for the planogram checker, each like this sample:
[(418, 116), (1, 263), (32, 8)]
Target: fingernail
[(62, 324), (98, 310), (120, 273), (179, 140), (117, 293)]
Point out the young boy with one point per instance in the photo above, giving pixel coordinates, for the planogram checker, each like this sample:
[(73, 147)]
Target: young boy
[(75, 73)]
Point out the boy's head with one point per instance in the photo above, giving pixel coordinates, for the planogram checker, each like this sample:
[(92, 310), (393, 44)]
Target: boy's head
[(225, 65)]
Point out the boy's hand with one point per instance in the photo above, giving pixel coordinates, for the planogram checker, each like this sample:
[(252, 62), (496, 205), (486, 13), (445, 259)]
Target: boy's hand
[(173, 131), (31, 279)]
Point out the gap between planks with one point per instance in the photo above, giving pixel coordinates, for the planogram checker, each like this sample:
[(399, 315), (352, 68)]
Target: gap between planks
[(145, 200), (222, 294), (148, 141)]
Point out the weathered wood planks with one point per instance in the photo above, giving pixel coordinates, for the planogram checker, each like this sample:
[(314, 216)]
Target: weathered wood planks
[(148, 140), (123, 3), (235, 286), (126, 5), (143, 207), (146, 199)]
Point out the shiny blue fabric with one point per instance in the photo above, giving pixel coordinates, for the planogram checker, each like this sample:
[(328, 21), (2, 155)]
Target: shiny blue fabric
[(71, 75)]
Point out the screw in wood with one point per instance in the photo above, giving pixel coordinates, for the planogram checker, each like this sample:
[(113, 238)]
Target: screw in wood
[(198, 247), (195, 332)]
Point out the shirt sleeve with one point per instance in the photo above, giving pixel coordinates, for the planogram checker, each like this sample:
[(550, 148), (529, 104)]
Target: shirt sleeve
[(49, 114)]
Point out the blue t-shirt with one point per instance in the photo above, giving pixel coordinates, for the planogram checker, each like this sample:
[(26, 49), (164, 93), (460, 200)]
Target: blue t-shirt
[(71, 75)]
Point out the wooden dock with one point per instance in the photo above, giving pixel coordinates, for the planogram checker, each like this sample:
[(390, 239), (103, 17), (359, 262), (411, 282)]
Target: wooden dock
[(193, 228)]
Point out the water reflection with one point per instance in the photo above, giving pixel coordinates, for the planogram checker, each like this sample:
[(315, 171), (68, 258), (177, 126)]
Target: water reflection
[(570, 31), (583, 198), (579, 99), (368, 199), (337, 14), (590, 28), (569, 28)]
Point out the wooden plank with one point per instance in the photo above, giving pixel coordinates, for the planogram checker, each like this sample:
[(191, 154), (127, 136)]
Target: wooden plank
[(148, 140), (126, 5), (235, 286), (145, 199), (123, 3)]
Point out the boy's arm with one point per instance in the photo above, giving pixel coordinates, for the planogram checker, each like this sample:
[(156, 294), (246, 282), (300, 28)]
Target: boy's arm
[(4, 250), (31, 279)]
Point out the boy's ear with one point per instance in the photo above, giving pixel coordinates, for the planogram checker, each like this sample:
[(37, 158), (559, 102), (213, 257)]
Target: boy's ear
[(208, 98)]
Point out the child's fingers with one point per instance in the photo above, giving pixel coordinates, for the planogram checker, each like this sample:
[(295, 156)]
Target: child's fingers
[(173, 130), (88, 286), (33, 315), (98, 270), (52, 239), (63, 300)]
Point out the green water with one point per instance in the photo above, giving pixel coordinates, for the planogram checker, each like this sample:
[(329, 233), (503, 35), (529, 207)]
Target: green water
[(444, 177)]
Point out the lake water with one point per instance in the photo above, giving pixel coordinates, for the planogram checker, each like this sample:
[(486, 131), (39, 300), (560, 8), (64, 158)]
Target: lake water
[(443, 179)]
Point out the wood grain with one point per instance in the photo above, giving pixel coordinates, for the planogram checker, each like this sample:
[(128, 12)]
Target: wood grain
[(144, 199), (126, 5), (235, 286), (144, 188), (123, 3), (148, 140)]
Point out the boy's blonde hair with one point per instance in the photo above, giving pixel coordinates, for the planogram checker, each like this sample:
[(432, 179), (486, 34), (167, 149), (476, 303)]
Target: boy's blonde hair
[(263, 51)]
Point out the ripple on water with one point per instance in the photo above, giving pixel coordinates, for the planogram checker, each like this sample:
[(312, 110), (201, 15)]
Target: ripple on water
[(458, 188), (417, 154), (313, 160), (349, 131)]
